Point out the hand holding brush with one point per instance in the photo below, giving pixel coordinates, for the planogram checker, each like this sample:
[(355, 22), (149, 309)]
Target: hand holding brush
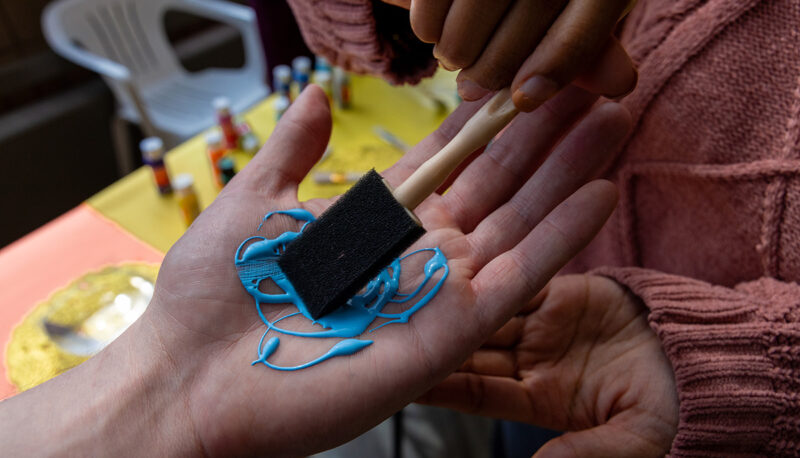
[(179, 381)]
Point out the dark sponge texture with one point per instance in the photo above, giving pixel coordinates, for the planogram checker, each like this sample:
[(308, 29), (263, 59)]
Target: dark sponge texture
[(348, 245)]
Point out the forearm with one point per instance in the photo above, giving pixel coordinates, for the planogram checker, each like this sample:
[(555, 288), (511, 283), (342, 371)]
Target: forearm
[(124, 401), (734, 353)]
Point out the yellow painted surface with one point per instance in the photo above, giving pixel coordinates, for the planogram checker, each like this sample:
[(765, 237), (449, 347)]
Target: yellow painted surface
[(31, 356), (410, 113)]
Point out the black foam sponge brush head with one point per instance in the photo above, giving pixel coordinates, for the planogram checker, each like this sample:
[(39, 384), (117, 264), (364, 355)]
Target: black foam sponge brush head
[(348, 245)]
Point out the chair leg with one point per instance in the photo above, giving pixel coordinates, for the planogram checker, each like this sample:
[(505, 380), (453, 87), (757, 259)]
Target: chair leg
[(121, 137)]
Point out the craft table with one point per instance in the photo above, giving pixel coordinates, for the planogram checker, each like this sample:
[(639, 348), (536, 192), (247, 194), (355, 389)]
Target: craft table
[(130, 221)]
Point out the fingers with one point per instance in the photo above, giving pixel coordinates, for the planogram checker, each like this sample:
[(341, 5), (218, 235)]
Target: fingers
[(497, 397), (514, 277), (428, 17), (431, 144), (467, 30), (575, 160), (293, 148), (574, 40), (500, 363), (508, 335), (517, 36), (401, 3), (614, 75), (512, 158), (603, 441)]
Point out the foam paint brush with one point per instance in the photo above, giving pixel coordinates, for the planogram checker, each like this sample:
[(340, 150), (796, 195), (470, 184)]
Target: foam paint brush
[(371, 224)]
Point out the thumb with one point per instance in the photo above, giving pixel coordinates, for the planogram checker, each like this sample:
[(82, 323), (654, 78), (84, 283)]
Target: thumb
[(602, 441)]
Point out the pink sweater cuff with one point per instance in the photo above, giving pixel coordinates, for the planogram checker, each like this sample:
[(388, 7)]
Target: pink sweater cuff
[(734, 353), (363, 36)]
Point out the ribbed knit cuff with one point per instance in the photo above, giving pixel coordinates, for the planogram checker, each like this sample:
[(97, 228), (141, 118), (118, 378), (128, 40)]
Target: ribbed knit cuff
[(736, 358), (363, 36)]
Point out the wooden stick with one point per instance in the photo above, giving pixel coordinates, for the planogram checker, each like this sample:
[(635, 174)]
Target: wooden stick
[(478, 131)]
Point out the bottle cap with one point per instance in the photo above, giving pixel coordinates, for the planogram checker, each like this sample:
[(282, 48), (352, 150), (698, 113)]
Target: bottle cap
[(221, 103), (250, 144), (321, 64), (301, 64), (282, 73), (213, 137), (151, 148), (322, 76), (225, 164), (182, 181), (282, 103)]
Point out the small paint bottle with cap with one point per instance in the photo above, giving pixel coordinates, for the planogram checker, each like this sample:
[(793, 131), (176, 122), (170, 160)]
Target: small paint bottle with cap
[(301, 67), (324, 80), (183, 185), (282, 80), (226, 170), (281, 104), (153, 155), (222, 105), (216, 150), (341, 88), (321, 64), (248, 142)]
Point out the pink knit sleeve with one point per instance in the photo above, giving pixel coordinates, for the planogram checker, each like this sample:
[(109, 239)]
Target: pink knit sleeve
[(736, 357), (363, 36)]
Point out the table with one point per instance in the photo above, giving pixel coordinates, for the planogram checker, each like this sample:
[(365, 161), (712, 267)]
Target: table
[(130, 221)]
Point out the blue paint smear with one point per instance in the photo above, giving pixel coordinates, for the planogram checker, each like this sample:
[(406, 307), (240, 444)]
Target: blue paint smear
[(257, 260)]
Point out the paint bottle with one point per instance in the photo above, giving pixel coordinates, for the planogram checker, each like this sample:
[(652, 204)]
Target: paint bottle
[(222, 105), (226, 170), (301, 67), (321, 64), (216, 150), (281, 105), (248, 142), (324, 80), (341, 88), (186, 197), (282, 80), (153, 155)]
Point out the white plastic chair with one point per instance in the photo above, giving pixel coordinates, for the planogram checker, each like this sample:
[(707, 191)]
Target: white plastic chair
[(125, 42)]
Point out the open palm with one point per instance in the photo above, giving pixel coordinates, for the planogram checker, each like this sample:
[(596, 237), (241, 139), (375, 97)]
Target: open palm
[(580, 357), (505, 230)]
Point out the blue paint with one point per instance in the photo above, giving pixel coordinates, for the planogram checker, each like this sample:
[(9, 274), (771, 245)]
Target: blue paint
[(257, 260)]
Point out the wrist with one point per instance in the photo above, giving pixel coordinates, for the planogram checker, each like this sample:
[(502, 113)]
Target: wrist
[(124, 400)]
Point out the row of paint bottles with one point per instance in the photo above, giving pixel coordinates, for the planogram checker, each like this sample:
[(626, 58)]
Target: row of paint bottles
[(289, 82), (182, 186), (237, 133)]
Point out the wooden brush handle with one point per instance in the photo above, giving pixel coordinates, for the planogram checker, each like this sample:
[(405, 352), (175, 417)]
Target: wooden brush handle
[(478, 131)]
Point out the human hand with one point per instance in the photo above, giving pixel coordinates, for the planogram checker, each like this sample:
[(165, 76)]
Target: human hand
[(582, 358), (181, 375), (536, 47)]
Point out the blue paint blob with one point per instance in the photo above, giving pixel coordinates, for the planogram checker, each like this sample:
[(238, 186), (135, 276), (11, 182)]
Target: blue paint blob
[(257, 261)]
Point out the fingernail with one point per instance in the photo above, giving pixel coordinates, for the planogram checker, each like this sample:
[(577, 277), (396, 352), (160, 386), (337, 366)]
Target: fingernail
[(534, 92), (633, 86), (446, 66), (442, 62), (470, 90)]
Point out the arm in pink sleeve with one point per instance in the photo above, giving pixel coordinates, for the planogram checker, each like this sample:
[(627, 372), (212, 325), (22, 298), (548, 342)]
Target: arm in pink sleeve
[(365, 36), (736, 357)]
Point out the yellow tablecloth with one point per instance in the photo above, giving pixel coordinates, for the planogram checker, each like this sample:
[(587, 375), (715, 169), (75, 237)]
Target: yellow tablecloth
[(409, 113)]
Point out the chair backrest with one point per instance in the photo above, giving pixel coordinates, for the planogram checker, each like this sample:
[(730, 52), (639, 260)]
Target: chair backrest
[(129, 32)]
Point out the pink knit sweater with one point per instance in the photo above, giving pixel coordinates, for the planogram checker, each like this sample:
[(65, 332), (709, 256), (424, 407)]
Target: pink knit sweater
[(707, 232)]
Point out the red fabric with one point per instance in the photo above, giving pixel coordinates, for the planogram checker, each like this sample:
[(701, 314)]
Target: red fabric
[(77, 242), (710, 209), (708, 228), (365, 37)]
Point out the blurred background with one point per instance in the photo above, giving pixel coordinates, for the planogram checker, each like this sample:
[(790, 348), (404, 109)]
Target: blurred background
[(56, 118)]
